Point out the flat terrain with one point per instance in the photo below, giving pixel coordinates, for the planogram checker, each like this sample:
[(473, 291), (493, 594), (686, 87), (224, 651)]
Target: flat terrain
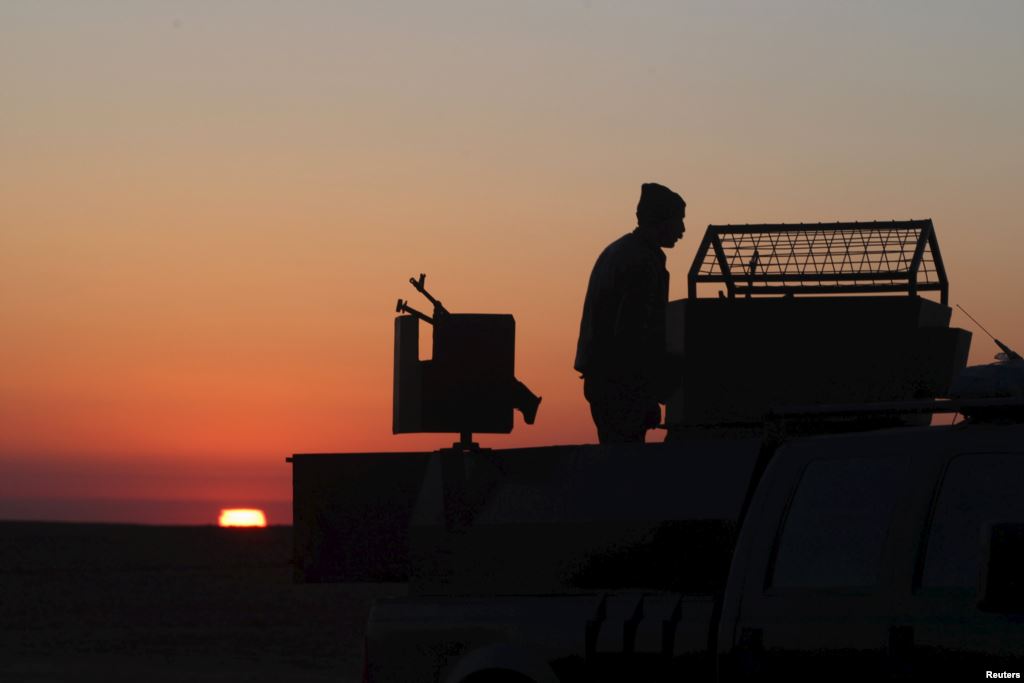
[(84, 602)]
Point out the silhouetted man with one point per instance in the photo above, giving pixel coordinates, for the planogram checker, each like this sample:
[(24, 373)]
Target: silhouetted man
[(621, 349)]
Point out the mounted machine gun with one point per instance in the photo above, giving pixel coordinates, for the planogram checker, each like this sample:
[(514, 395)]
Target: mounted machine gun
[(469, 385)]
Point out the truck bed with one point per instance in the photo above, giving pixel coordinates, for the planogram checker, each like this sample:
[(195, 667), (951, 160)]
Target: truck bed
[(553, 520)]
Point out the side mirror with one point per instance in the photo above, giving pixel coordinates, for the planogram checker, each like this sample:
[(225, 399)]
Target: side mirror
[(1002, 568)]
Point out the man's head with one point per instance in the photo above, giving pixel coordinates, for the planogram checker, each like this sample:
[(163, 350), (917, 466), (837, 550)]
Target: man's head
[(659, 215)]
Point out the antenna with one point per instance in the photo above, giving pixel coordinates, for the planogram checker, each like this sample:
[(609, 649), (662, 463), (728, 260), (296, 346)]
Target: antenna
[(1007, 351)]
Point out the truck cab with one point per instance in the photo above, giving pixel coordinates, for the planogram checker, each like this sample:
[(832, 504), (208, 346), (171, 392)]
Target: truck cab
[(867, 555)]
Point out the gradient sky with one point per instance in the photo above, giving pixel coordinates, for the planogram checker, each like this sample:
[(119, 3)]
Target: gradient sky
[(207, 210)]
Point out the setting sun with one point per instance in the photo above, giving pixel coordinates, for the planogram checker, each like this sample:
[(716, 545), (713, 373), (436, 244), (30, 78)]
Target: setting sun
[(242, 517)]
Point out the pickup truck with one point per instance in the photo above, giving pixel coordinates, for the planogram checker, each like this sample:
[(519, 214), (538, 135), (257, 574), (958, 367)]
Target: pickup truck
[(887, 554), (850, 537)]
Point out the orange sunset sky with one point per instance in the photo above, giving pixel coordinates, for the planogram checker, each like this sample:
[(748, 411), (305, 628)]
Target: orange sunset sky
[(208, 210)]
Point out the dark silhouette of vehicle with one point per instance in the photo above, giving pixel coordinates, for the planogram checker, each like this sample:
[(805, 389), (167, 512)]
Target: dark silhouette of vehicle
[(803, 521)]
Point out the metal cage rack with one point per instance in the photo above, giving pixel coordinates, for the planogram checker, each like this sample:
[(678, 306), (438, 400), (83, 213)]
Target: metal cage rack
[(878, 257)]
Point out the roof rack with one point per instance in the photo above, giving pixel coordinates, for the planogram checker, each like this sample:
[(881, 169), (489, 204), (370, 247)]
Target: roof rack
[(877, 257)]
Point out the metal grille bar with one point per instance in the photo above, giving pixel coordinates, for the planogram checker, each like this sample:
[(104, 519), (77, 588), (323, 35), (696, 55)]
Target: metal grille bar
[(879, 257)]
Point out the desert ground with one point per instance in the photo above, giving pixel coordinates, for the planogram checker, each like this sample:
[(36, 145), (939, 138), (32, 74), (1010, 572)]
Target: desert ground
[(89, 602)]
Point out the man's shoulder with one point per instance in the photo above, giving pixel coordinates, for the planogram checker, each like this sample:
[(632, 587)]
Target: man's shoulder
[(630, 250), (623, 242)]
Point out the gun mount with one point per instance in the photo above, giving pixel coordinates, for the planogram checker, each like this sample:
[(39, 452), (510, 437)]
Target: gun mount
[(469, 385)]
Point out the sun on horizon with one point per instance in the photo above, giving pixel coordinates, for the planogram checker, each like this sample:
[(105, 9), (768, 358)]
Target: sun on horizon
[(242, 517)]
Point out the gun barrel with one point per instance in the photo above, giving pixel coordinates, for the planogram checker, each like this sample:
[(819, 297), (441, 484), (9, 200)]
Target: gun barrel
[(422, 289)]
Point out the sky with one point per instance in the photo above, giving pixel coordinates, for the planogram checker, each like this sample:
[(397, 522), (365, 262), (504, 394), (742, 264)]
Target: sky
[(208, 210)]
